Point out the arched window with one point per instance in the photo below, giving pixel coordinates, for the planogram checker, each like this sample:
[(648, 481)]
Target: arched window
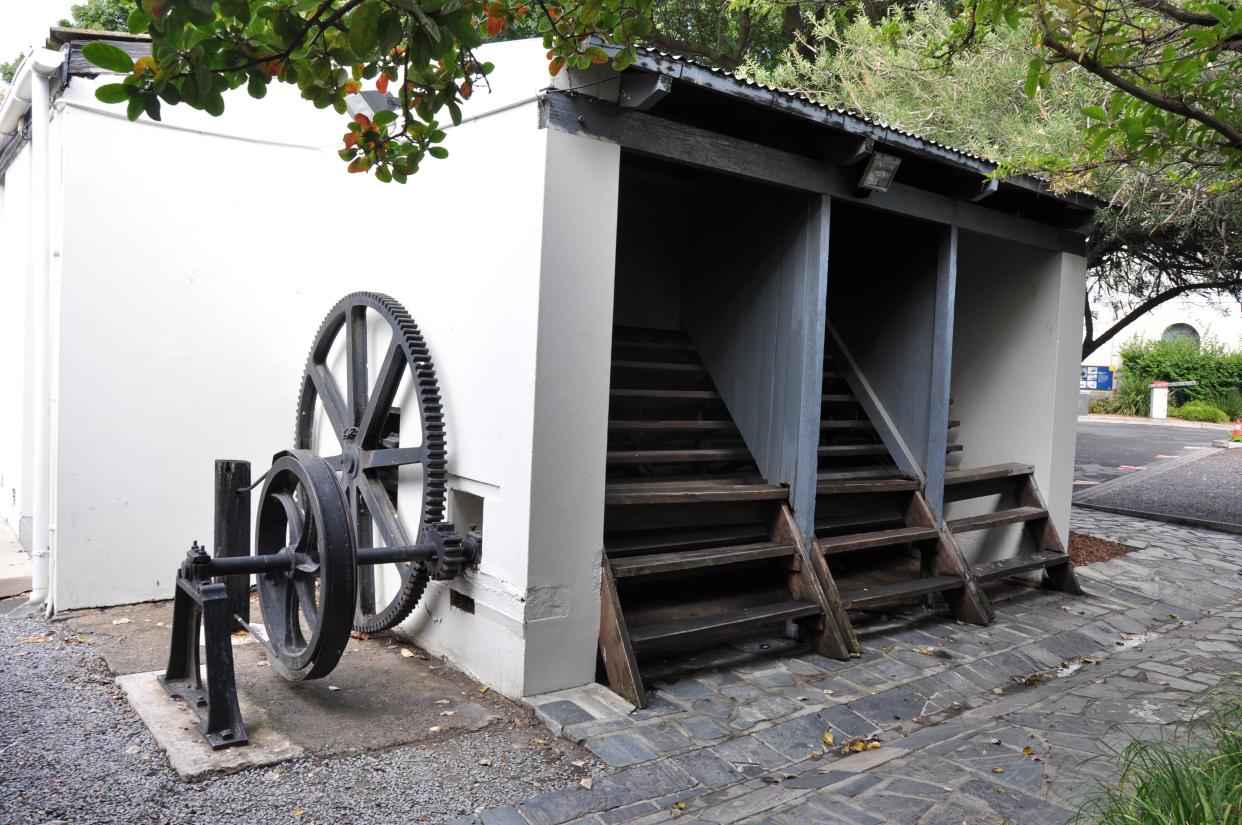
[(1176, 331)]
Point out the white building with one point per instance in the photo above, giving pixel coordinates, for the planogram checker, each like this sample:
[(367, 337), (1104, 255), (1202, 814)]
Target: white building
[(1215, 317), (162, 282)]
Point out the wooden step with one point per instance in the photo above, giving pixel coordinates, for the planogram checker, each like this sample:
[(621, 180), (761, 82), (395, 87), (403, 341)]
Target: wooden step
[(994, 471), (838, 398), (845, 424), (694, 559), (852, 449), (858, 522), (664, 395), (954, 423), (685, 632), (954, 448), (675, 456), (975, 482), (678, 367), (672, 426), (898, 592), (690, 492), (877, 538), (997, 519), (1024, 563), (878, 484), (664, 541)]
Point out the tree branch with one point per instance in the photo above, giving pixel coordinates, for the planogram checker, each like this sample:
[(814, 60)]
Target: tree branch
[(1089, 345)]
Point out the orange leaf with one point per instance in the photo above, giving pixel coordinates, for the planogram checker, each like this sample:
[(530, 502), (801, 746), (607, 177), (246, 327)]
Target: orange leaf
[(351, 140), (495, 25), (351, 87), (598, 58), (554, 68), (359, 165), (381, 83), (466, 90), (362, 120)]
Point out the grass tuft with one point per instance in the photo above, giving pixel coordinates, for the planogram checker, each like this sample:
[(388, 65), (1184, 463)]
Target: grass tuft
[(1193, 778)]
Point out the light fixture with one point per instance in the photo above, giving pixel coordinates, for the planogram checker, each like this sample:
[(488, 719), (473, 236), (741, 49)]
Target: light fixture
[(879, 172), (370, 103)]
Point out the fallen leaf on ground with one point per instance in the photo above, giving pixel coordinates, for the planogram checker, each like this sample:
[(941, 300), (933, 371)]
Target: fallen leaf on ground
[(828, 738), (578, 763), (816, 756), (132, 749), (482, 689), (297, 812), (586, 783), (996, 741), (448, 713), (434, 729), (442, 701), (485, 762), (359, 635), (123, 620), (333, 687), (1028, 751), (406, 652), (998, 770), (33, 640), (926, 651)]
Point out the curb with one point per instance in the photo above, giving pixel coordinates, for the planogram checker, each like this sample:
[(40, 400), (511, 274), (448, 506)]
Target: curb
[(1219, 526), (1149, 422)]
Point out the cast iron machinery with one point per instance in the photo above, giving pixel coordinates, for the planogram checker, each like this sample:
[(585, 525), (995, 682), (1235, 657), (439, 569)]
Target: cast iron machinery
[(333, 551)]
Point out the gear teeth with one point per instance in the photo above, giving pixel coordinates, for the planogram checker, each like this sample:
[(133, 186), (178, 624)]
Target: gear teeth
[(431, 409)]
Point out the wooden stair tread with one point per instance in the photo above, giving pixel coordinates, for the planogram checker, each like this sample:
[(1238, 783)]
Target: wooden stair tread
[(876, 538), (876, 484), (1013, 515), (654, 563), (1023, 563), (666, 395), (660, 366), (899, 591), (967, 475), (852, 449), (664, 541), (858, 523), (954, 448), (665, 456), (838, 398), (845, 424), (674, 492), (684, 631), (673, 426)]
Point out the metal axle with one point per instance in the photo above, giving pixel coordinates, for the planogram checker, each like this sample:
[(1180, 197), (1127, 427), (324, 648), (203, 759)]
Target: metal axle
[(202, 565)]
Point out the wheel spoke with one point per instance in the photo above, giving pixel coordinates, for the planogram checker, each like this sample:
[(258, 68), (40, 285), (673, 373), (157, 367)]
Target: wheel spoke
[(333, 404), (363, 534), (293, 516), (377, 406), (305, 588), (293, 630), (392, 457), (356, 352), (385, 514)]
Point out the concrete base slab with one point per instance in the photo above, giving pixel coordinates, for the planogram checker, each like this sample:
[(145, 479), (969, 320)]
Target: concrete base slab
[(174, 728), (14, 565), (588, 703)]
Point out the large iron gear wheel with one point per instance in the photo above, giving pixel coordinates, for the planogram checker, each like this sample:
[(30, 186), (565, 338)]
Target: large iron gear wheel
[(361, 432)]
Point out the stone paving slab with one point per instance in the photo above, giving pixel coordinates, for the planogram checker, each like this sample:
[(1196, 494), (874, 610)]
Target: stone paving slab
[(975, 724)]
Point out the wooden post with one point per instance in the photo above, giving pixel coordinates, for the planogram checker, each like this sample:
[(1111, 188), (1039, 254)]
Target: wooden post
[(232, 528), (941, 373)]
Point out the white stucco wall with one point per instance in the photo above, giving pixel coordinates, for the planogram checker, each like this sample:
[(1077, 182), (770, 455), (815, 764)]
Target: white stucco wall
[(198, 258), (1216, 316), (1016, 346)]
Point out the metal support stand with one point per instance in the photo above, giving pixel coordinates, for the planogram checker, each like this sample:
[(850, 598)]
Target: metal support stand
[(207, 605), (232, 529)]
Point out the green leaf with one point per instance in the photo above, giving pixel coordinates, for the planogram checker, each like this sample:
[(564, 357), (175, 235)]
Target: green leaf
[(1095, 112), (438, 152), (213, 103), (112, 93), (138, 22), (109, 57), (135, 107), (384, 117), (152, 107), (1034, 70), (364, 30)]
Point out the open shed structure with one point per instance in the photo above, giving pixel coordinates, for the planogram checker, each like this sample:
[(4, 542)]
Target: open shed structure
[(698, 379)]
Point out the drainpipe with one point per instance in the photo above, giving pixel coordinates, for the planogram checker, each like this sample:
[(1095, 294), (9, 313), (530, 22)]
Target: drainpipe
[(32, 87)]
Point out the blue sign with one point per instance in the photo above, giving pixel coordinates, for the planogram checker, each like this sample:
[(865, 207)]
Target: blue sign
[(1096, 378)]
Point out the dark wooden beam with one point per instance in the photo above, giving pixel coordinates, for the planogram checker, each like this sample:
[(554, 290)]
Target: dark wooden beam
[(657, 137), (642, 91), (941, 375)]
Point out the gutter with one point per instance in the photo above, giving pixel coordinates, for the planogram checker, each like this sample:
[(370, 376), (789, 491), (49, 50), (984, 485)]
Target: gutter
[(31, 92)]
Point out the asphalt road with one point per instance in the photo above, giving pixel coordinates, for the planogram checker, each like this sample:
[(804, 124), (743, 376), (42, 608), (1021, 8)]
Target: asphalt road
[(1104, 448)]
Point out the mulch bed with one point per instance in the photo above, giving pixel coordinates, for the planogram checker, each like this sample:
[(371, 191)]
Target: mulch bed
[(1089, 549)]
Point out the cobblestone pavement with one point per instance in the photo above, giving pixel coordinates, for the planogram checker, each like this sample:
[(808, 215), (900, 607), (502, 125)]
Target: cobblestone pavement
[(977, 725)]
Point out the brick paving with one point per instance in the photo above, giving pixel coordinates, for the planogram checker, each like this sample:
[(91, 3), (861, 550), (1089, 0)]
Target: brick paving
[(954, 706)]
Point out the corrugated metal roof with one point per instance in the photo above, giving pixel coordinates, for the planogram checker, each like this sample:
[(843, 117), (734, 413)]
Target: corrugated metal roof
[(801, 105)]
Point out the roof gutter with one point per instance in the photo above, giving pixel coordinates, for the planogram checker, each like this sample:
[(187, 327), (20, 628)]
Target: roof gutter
[(42, 62)]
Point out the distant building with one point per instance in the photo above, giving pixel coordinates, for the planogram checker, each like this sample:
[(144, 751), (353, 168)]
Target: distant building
[(1215, 317)]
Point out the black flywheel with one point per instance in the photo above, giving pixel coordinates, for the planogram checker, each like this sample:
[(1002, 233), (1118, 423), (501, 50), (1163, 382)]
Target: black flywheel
[(370, 406), (306, 609)]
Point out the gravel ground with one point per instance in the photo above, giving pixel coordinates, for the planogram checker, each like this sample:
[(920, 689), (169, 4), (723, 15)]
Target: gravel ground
[(71, 749)]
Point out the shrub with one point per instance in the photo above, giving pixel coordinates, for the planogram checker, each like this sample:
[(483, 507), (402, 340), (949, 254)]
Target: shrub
[(1133, 394), (1217, 369), (1231, 403), (1199, 411), (1099, 406), (1189, 779)]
